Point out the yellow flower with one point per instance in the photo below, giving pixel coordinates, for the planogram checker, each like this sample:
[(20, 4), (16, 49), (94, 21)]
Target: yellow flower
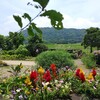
[(81, 71), (27, 92), (27, 81), (41, 70), (21, 66), (90, 77), (4, 80), (37, 88)]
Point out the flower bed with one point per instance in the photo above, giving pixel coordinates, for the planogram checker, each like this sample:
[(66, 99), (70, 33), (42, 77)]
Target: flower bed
[(50, 84)]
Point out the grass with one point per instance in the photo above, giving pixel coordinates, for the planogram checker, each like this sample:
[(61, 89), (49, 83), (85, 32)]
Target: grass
[(67, 46)]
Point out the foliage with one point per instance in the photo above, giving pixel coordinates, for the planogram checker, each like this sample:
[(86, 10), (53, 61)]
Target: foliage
[(63, 36), (32, 42), (38, 48), (22, 50), (2, 40), (55, 17), (13, 57), (12, 41), (60, 58), (89, 60), (50, 84), (92, 38)]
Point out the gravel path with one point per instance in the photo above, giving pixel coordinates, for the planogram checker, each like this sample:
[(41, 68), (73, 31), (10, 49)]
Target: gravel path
[(17, 62), (4, 70), (80, 64)]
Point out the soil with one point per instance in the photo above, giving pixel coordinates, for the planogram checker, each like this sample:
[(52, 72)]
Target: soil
[(26, 65)]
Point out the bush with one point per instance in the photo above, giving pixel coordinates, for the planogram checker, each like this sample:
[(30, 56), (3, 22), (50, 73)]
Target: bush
[(12, 57), (60, 58), (89, 60), (22, 50), (38, 48)]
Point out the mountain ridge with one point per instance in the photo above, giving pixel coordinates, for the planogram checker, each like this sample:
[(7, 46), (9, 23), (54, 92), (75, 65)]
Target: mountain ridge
[(66, 35)]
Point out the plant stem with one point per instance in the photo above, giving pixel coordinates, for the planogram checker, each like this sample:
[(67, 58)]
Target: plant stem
[(30, 21)]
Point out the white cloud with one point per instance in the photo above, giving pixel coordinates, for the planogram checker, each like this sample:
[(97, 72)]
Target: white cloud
[(42, 22), (70, 22)]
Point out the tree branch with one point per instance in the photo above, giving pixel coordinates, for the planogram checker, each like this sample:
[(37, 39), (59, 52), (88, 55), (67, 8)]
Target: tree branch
[(30, 21)]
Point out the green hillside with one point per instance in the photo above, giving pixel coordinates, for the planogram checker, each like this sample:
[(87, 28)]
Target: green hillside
[(51, 35)]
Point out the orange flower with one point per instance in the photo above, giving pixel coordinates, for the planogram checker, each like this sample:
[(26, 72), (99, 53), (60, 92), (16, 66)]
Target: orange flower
[(90, 77), (80, 74), (53, 68)]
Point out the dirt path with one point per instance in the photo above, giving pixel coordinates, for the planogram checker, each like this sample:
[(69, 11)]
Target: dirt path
[(4, 70), (80, 64), (17, 62)]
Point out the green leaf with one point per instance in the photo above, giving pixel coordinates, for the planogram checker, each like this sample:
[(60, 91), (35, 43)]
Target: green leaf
[(27, 16), (55, 17), (18, 20), (36, 28), (30, 30), (43, 3)]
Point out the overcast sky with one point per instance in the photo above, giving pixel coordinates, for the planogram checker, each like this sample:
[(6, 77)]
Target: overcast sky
[(77, 13)]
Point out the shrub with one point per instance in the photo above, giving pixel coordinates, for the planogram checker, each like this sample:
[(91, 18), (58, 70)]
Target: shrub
[(36, 48), (89, 60), (12, 57), (60, 58), (22, 50)]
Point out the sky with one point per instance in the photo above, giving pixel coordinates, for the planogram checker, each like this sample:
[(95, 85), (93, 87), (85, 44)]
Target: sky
[(77, 14)]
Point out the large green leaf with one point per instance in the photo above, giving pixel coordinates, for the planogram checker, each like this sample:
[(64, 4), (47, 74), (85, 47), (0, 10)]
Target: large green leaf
[(18, 20), (55, 17), (36, 28), (43, 3), (30, 30), (27, 16)]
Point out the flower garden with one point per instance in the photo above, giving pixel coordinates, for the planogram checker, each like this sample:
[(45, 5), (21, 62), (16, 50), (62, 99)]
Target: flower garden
[(50, 84)]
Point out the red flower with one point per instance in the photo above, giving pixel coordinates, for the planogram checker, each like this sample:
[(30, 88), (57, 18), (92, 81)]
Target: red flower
[(94, 72), (47, 76), (53, 67), (34, 75), (77, 72), (82, 77)]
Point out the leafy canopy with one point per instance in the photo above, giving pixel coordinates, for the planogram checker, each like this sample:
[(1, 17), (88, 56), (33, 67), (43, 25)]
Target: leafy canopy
[(54, 16)]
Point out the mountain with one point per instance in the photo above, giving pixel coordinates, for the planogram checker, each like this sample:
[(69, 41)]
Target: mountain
[(66, 35)]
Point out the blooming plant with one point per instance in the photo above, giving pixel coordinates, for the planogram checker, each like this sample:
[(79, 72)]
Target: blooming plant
[(51, 84)]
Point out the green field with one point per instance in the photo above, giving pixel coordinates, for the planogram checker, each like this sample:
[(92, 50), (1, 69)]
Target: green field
[(67, 47)]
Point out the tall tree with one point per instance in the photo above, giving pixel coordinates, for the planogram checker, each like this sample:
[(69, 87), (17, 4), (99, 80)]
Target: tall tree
[(91, 38), (16, 38), (2, 39)]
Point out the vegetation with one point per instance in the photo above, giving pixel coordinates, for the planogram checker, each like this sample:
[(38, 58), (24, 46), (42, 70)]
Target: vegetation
[(89, 60), (60, 58), (63, 36), (92, 38), (50, 84)]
